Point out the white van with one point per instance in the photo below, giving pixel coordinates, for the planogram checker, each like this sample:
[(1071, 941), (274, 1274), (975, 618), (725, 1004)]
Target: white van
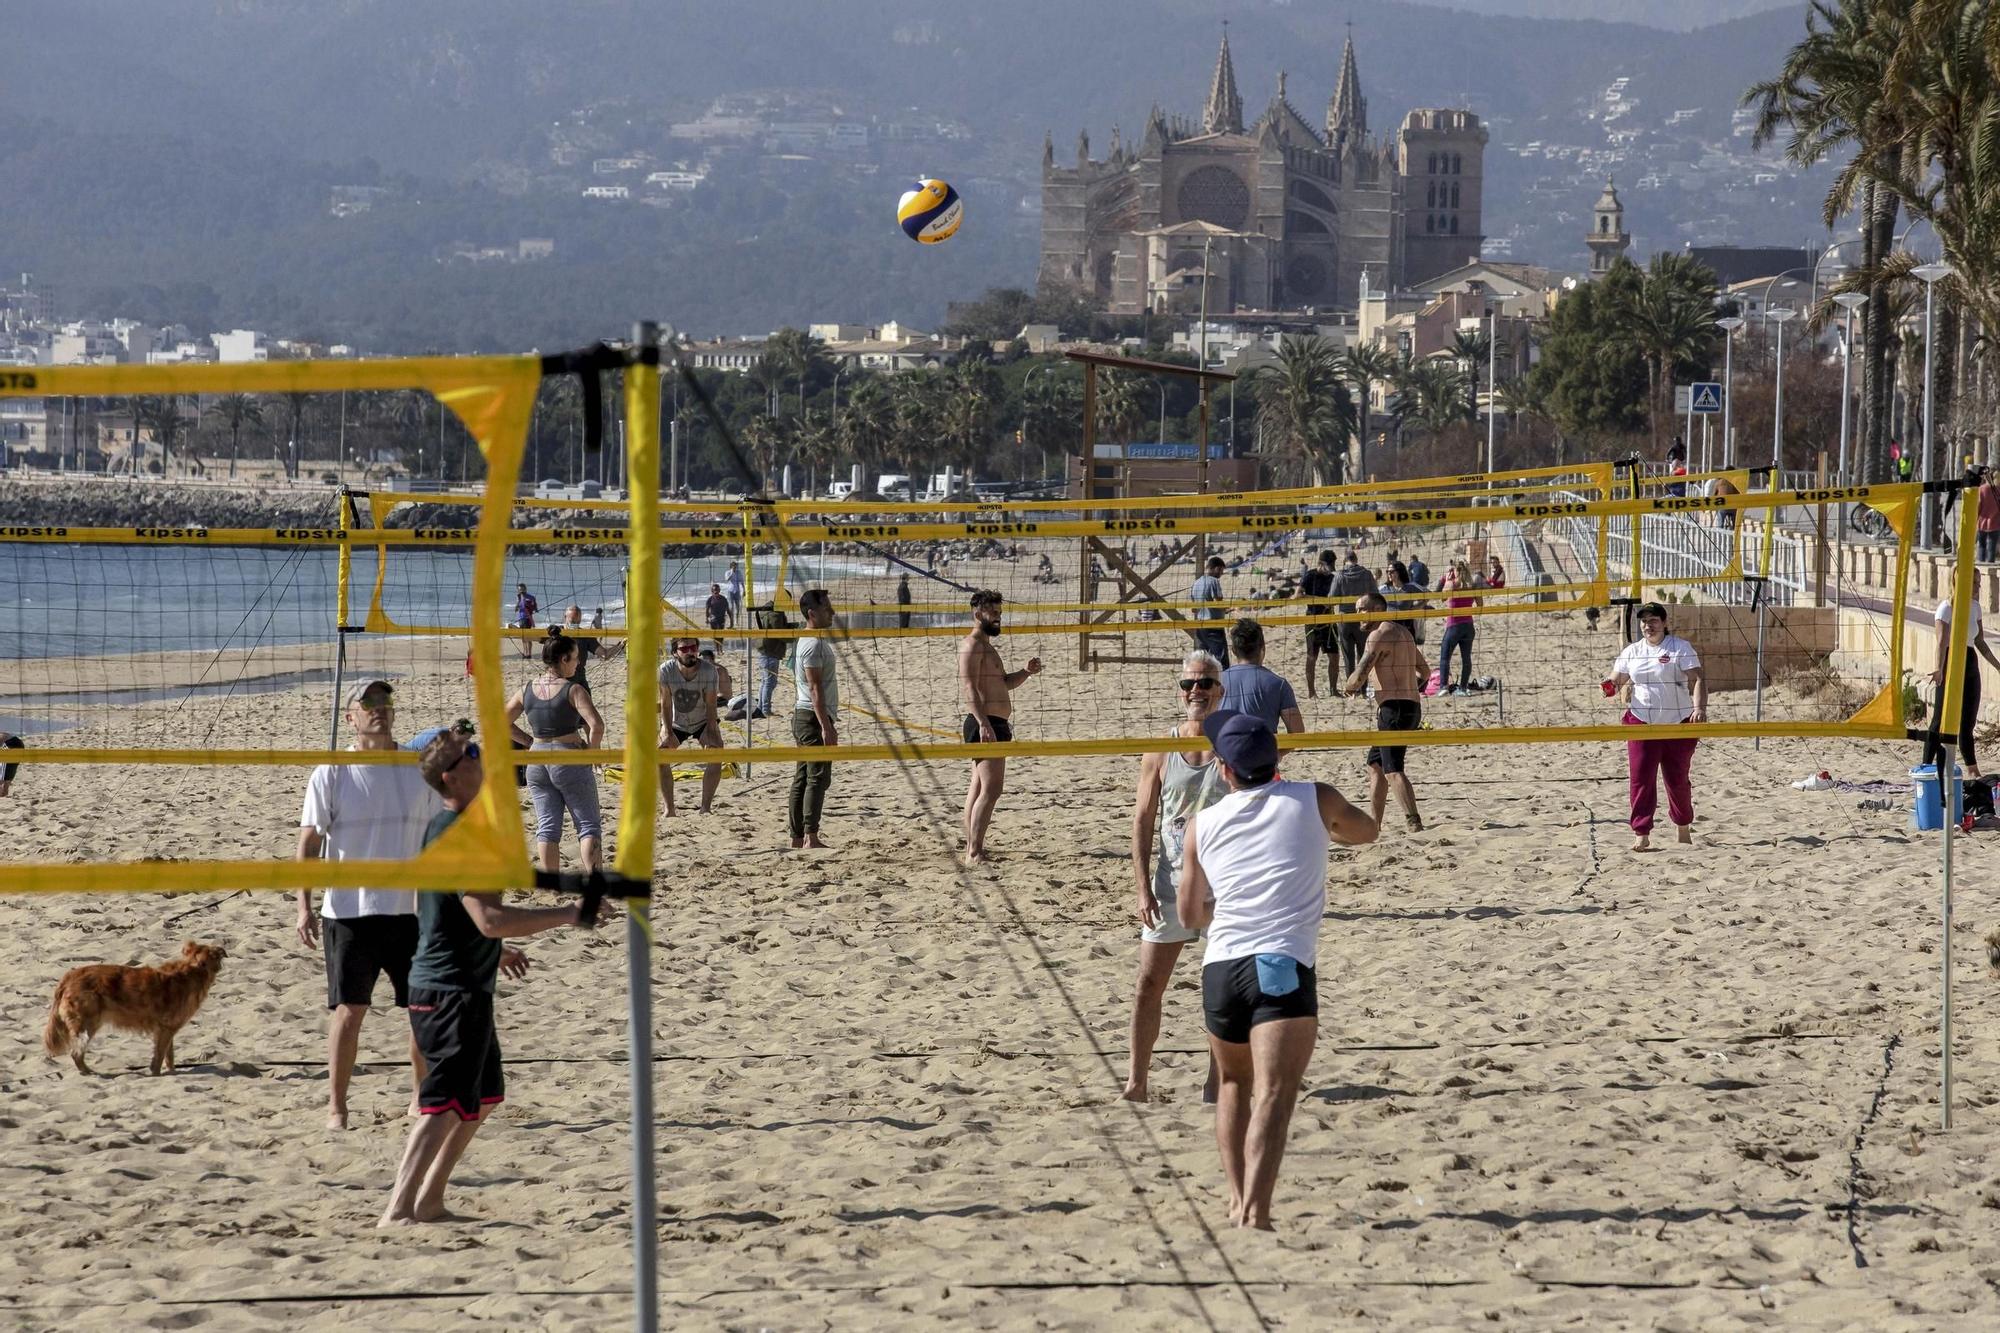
[(839, 490), (892, 485)]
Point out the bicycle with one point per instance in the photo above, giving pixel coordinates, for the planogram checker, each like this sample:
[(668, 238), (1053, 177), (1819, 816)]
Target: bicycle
[(1868, 522)]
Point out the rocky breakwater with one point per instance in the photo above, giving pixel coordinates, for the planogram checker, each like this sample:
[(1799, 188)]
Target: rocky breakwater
[(124, 503)]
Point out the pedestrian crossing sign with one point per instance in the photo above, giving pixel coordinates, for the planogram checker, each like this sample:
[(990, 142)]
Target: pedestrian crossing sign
[(1704, 397)]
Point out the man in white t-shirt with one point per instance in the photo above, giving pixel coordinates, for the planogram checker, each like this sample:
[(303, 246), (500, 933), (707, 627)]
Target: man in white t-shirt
[(1254, 874), (732, 585), (363, 812), (1968, 714), (815, 720)]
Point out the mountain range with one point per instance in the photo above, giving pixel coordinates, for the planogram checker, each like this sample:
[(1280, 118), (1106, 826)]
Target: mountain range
[(178, 155)]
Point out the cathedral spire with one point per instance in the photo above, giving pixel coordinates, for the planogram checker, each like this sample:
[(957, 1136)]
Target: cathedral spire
[(1224, 112), (1347, 113)]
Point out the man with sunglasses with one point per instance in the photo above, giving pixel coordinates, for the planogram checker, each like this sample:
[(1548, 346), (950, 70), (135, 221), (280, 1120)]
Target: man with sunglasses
[(689, 685), (362, 812), (452, 981)]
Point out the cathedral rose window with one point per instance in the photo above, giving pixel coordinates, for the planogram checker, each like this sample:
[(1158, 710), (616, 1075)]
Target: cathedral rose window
[(1216, 195)]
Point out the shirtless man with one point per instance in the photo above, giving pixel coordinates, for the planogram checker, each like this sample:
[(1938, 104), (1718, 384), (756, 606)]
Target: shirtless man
[(988, 688), (1400, 671)]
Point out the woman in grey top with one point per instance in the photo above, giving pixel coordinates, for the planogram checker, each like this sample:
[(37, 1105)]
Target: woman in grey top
[(1172, 786), (560, 716)]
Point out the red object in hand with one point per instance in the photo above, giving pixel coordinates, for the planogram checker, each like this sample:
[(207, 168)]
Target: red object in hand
[(1610, 688)]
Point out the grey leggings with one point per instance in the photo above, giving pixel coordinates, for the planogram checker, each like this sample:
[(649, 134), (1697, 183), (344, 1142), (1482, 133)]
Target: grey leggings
[(560, 787)]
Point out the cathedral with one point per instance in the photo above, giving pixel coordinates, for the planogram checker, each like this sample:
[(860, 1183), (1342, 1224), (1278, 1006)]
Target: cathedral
[(1292, 216)]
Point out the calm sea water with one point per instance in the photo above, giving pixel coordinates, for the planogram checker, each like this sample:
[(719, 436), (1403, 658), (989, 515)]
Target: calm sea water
[(58, 601)]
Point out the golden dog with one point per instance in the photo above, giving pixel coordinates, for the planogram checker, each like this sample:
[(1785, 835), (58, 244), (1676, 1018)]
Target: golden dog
[(154, 1000)]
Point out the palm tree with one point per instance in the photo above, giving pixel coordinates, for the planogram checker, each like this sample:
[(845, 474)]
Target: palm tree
[(162, 417), (1302, 399), (795, 355), (1436, 394), (918, 396), (1670, 321), (1049, 409), (1365, 365), (239, 410), (1121, 408), (968, 415), (1831, 93), (764, 437), (1525, 398), (867, 425)]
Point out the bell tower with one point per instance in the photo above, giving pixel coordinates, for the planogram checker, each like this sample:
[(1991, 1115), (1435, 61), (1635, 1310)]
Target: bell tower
[(1608, 239)]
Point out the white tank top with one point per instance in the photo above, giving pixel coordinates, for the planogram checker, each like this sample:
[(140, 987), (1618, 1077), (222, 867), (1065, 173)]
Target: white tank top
[(1264, 853)]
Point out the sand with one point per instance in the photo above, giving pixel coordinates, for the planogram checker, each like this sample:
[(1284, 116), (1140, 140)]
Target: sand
[(1558, 1085)]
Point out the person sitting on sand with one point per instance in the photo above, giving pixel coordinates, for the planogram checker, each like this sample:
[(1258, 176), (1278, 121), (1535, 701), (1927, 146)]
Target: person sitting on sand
[(988, 688), (1173, 784), (452, 979), (1400, 673), (1664, 672), (1254, 874)]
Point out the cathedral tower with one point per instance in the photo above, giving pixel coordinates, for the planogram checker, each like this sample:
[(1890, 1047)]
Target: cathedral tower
[(1224, 112)]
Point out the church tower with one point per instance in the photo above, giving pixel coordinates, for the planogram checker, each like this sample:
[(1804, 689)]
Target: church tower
[(1347, 113), (1224, 112), (1608, 239)]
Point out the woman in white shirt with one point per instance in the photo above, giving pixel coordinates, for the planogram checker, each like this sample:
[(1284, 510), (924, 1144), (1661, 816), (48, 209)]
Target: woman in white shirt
[(1664, 673), (1968, 715)]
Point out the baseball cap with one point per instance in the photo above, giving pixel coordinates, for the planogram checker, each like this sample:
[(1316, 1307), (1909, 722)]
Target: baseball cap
[(1243, 742), (361, 687)]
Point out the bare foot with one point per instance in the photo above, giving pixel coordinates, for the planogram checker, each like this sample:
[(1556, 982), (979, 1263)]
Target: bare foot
[(812, 841), (978, 858), (396, 1220), (1134, 1092), (442, 1214), (1684, 833), (798, 842), (1416, 823), (1642, 843), (1257, 1224), (336, 1120)]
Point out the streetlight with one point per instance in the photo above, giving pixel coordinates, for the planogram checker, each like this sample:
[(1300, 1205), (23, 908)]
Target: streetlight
[(1930, 273), (1849, 302), (1728, 324), (1027, 380), (1492, 352), (1161, 385), (1778, 317)]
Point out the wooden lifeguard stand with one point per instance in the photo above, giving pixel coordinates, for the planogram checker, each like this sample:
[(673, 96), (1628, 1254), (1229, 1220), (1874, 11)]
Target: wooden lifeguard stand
[(1131, 585)]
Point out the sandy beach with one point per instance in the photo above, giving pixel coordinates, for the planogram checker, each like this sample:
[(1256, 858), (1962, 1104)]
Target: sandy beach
[(1558, 1084)]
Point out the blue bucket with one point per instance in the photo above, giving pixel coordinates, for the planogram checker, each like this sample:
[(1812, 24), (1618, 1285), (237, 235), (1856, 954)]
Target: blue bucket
[(1929, 805)]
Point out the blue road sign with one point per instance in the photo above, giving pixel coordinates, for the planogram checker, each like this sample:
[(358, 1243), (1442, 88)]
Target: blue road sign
[(1704, 397)]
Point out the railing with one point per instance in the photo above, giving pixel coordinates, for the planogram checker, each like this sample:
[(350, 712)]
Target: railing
[(1677, 548)]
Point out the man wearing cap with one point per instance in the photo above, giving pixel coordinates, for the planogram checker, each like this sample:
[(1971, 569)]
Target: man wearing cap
[(452, 981), (362, 812), (1254, 875)]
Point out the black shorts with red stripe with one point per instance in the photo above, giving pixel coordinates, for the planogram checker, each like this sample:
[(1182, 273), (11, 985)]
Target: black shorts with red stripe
[(461, 1049)]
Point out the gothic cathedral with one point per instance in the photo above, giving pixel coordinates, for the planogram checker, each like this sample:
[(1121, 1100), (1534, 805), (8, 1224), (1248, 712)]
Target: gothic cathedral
[(1290, 216)]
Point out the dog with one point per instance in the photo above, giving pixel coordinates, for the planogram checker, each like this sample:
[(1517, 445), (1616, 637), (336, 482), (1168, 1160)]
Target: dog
[(154, 1000)]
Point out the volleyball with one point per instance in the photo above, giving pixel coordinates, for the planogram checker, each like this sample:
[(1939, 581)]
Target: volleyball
[(931, 212)]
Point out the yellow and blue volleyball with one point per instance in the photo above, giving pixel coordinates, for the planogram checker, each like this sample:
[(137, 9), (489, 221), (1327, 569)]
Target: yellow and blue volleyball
[(931, 212)]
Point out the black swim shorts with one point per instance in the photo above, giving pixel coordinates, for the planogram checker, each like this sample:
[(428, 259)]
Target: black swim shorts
[(684, 737), (1002, 729), (1394, 715), (1322, 637), (360, 949), (1234, 997), (461, 1049)]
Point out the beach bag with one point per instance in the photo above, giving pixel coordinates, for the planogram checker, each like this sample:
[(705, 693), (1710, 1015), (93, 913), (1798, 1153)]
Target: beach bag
[(1434, 684), (1978, 796)]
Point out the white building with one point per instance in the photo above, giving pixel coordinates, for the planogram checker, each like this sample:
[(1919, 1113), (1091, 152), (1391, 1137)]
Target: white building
[(240, 345)]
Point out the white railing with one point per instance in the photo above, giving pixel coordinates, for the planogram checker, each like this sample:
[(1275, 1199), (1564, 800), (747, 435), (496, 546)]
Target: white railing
[(1679, 549)]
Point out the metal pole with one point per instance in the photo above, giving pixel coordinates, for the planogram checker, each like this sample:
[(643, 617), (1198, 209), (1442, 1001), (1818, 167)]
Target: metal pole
[(1846, 363), (645, 1213), (1930, 300), (1492, 354), (339, 671), (1778, 419), (1945, 776), (1757, 704)]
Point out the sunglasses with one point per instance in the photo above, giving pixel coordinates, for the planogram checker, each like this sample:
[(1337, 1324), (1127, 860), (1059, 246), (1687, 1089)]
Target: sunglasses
[(469, 752), (1200, 683), (378, 699)]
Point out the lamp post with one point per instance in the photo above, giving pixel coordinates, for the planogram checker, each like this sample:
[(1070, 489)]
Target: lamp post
[(1161, 385), (1492, 353), (1027, 380), (1849, 302), (1930, 273), (1728, 324), (1778, 317)]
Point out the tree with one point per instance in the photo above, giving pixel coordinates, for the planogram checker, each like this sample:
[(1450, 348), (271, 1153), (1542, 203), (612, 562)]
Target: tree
[(1050, 407), (968, 415), (1121, 409), (1365, 365), (867, 425), (238, 410), (1668, 318), (161, 417), (1302, 401), (1593, 383)]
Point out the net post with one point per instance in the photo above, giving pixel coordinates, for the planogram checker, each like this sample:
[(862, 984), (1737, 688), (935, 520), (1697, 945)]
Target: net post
[(636, 818), (1086, 473), (1757, 588), (1950, 705)]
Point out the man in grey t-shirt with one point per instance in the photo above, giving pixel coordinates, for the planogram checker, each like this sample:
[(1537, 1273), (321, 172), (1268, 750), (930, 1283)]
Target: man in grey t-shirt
[(1208, 588), (688, 712), (814, 720)]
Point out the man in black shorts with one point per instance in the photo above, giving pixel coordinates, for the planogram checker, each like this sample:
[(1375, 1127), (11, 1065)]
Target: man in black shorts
[(1318, 582), (1400, 672), (459, 956), (1352, 581), (690, 684), (1253, 873), (988, 688)]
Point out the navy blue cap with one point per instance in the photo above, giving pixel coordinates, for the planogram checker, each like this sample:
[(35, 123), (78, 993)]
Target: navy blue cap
[(1243, 742)]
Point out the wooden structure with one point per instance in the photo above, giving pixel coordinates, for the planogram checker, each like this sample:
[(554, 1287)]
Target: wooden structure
[(1116, 570)]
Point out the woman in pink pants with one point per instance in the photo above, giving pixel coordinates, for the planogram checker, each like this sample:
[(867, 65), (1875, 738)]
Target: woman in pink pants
[(1664, 672)]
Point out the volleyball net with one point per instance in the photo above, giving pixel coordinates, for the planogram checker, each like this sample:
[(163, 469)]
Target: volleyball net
[(221, 655)]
